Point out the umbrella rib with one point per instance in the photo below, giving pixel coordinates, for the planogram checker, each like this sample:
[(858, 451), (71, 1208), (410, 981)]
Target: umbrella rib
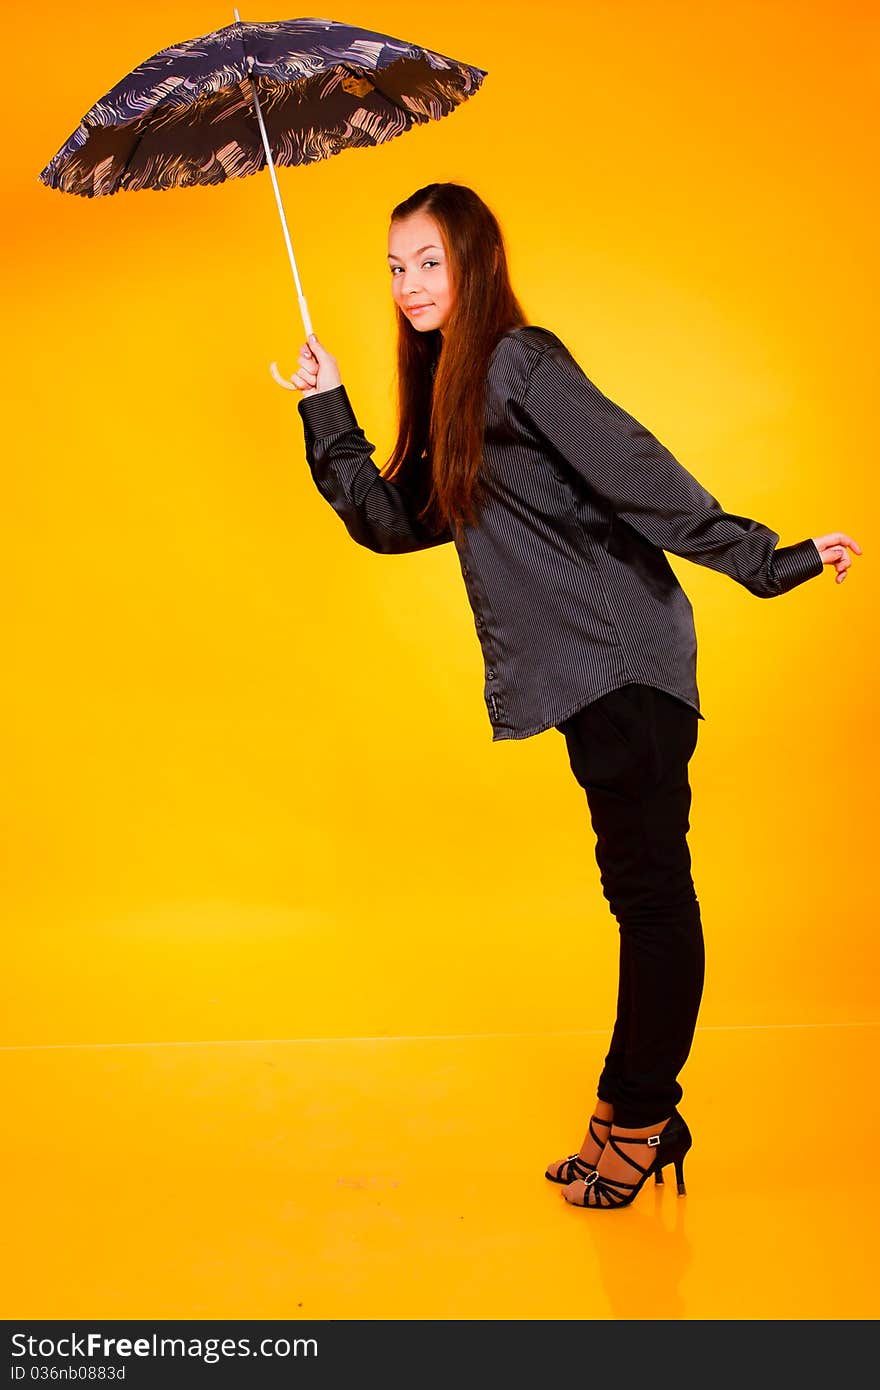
[(372, 75), (412, 116), (134, 147), (395, 106)]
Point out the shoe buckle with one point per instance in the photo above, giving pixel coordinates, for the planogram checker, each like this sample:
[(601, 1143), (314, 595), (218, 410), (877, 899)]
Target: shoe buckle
[(653, 1140), (593, 1177)]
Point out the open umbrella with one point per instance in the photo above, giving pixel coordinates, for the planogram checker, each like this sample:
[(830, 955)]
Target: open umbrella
[(252, 96)]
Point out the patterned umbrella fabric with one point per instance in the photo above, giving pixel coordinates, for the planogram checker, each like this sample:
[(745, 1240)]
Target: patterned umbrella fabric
[(187, 115)]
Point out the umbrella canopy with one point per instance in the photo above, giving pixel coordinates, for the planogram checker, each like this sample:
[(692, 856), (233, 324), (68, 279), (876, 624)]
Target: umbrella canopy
[(187, 115)]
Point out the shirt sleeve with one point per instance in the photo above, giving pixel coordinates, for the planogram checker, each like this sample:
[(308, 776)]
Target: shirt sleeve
[(378, 513), (646, 486)]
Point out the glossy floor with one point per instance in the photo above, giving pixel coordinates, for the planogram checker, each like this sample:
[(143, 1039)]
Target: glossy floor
[(403, 1178)]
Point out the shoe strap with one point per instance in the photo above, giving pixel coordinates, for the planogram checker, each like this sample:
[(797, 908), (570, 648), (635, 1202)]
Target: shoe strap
[(652, 1139), (575, 1158), (601, 1183), (593, 1135)]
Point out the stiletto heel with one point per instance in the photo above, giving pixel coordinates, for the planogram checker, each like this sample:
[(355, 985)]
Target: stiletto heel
[(574, 1166), (670, 1145), (679, 1176)]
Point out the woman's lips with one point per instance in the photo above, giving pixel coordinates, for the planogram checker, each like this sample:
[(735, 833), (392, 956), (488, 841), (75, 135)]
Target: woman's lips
[(417, 308)]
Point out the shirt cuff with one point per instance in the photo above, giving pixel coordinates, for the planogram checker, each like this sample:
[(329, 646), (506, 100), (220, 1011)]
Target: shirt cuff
[(327, 412), (795, 563)]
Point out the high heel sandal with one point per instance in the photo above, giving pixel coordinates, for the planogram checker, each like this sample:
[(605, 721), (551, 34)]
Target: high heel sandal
[(670, 1145), (574, 1166)]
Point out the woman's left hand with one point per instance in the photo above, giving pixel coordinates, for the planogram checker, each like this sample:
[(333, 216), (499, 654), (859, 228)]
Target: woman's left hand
[(833, 549)]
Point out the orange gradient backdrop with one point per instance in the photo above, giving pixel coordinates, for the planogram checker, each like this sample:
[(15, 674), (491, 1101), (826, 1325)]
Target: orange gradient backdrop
[(249, 787)]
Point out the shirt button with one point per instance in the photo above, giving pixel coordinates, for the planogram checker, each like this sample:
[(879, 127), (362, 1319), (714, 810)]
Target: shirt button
[(465, 571), (491, 673)]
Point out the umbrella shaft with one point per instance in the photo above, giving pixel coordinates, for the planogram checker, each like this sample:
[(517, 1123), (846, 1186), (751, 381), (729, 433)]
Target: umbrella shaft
[(307, 322)]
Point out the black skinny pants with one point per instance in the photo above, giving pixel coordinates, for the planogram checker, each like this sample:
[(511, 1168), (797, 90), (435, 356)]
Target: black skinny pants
[(630, 750)]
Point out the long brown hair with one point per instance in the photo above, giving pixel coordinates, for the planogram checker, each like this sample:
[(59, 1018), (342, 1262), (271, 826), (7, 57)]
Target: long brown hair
[(441, 378)]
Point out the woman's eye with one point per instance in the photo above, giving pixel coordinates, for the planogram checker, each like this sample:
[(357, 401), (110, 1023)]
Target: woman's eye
[(395, 268)]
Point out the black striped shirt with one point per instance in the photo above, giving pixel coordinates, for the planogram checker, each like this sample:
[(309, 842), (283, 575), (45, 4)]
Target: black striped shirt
[(566, 574)]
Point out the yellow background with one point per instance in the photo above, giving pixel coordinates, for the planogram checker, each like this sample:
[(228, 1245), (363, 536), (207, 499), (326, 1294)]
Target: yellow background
[(249, 788)]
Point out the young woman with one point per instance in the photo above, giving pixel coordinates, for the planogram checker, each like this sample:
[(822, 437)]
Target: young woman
[(560, 506)]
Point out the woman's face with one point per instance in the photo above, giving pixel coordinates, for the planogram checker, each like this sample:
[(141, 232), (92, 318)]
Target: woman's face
[(419, 271)]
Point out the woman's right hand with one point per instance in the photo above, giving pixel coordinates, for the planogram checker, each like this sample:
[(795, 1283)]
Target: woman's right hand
[(317, 370)]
